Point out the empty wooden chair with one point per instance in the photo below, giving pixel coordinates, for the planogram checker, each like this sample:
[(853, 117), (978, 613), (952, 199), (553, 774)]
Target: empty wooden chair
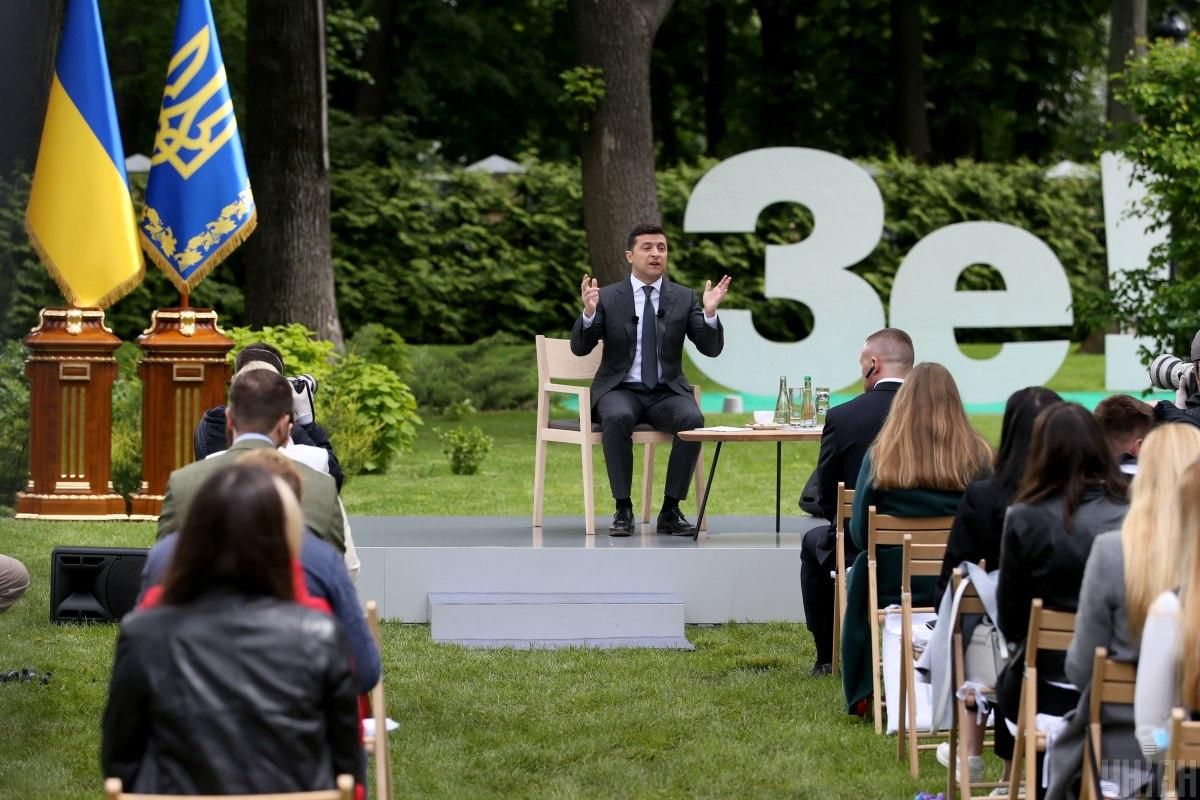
[(377, 745), (556, 362)]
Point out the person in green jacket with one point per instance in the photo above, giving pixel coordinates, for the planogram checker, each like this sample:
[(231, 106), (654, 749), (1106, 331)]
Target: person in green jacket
[(919, 465)]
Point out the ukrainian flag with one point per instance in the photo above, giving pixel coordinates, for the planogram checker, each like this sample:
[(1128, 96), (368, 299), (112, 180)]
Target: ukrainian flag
[(80, 217), (198, 201)]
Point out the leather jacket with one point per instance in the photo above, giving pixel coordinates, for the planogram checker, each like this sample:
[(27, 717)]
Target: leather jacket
[(231, 694)]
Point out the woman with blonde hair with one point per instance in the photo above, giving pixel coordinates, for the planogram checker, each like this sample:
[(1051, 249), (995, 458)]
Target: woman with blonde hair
[(1168, 667), (922, 460), (1126, 570)]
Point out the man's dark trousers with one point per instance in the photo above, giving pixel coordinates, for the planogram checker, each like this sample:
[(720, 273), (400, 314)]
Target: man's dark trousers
[(664, 410), (818, 560)]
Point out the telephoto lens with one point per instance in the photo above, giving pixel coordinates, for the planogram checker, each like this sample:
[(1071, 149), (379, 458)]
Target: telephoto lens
[(1169, 372)]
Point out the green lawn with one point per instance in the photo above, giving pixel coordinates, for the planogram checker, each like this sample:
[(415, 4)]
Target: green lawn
[(739, 717)]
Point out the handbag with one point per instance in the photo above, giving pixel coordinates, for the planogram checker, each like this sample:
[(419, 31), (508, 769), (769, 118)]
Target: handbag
[(986, 654)]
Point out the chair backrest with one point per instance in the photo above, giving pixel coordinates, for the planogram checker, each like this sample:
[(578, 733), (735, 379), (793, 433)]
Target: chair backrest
[(971, 602), (883, 529), (1048, 630), (1112, 682), (1183, 751), (557, 362), (845, 507), (920, 559), (378, 744), (344, 791)]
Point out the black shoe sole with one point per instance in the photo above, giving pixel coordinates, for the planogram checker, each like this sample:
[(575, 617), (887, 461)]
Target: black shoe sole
[(678, 531), (620, 532)]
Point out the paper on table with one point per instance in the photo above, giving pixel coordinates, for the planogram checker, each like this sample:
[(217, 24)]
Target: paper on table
[(723, 429)]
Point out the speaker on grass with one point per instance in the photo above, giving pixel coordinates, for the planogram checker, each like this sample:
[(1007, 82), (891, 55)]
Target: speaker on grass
[(94, 583)]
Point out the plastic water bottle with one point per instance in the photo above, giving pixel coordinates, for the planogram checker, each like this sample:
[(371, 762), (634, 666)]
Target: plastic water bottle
[(808, 405), (783, 406)]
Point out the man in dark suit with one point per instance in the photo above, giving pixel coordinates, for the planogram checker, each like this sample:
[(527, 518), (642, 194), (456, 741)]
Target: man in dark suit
[(850, 428), (259, 415), (642, 322)]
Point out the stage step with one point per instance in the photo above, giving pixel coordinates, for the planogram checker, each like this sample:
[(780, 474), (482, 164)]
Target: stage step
[(559, 619)]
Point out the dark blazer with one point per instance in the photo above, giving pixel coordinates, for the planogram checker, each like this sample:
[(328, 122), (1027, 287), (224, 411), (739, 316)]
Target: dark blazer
[(850, 428), (320, 506), (680, 314), (978, 526)]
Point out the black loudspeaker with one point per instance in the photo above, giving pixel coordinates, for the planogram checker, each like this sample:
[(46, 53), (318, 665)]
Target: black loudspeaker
[(94, 583)]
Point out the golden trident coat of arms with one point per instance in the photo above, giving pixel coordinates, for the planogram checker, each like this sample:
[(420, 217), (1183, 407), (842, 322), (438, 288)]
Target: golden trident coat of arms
[(183, 141)]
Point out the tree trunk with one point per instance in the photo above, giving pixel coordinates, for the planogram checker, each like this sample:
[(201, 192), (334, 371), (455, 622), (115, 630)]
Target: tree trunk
[(715, 52), (618, 145), (1127, 36), (289, 276), (372, 99), (908, 55), (779, 101), (662, 110)]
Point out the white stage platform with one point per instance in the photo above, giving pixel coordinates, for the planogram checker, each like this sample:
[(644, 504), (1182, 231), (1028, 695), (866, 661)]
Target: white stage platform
[(740, 570)]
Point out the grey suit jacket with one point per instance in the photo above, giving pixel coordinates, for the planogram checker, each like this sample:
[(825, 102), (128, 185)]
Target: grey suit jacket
[(680, 315), (320, 505)]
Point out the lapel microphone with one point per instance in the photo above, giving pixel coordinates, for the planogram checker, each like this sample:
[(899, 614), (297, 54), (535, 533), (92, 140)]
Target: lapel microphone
[(659, 314), (635, 319)]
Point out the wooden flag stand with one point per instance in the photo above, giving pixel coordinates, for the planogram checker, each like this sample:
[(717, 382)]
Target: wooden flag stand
[(184, 373), (71, 370)]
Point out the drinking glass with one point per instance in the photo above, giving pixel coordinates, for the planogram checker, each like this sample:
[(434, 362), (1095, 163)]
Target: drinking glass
[(821, 394), (796, 396)]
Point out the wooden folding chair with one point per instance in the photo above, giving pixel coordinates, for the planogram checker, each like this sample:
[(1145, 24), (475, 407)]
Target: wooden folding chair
[(556, 362), (921, 560), (883, 531), (1052, 631), (377, 745), (841, 518), (960, 784), (1182, 753), (344, 791), (1112, 682)]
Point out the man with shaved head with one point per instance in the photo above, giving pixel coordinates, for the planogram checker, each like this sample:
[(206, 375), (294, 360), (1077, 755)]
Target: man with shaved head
[(850, 428)]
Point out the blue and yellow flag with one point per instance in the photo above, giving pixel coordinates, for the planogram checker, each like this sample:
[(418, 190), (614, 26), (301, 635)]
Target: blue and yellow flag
[(80, 216), (198, 202)]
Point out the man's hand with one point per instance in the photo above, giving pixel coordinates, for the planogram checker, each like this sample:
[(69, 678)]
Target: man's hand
[(589, 290), (713, 295)]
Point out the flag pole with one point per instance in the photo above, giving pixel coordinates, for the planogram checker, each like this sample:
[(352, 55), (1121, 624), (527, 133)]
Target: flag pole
[(183, 299)]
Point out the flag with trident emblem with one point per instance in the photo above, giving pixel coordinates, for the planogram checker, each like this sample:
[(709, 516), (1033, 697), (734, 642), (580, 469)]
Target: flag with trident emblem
[(198, 201)]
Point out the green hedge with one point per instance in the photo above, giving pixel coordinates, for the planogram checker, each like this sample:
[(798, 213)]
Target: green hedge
[(441, 255)]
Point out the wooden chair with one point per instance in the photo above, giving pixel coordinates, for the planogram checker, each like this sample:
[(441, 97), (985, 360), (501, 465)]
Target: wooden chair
[(1182, 752), (556, 362), (883, 531), (1112, 682), (845, 506), (960, 784), (344, 791), (1048, 630), (921, 560), (377, 745)]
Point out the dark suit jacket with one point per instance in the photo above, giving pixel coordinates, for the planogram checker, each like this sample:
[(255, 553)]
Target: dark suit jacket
[(320, 506), (680, 315), (849, 430)]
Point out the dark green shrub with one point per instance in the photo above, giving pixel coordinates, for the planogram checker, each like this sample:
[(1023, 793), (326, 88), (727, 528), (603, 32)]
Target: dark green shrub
[(494, 374), (14, 421), (382, 345), (127, 422), (466, 448)]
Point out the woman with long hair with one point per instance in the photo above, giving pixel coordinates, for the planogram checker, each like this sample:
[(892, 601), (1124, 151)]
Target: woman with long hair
[(1168, 668), (227, 685), (979, 523), (1072, 491), (926, 454), (1126, 571)]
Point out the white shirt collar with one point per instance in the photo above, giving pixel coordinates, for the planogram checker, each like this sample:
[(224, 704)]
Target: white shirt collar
[(637, 285), (889, 380), (246, 436)]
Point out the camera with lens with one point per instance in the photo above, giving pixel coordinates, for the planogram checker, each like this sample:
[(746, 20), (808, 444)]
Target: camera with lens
[(303, 389), (1170, 372)]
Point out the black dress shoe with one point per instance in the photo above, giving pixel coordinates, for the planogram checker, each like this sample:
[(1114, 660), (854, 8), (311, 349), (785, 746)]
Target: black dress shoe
[(674, 523), (622, 524), (820, 670)]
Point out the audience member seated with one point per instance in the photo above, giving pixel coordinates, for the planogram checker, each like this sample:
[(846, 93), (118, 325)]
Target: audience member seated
[(1126, 571), (14, 581), (211, 435), (1072, 492), (979, 521), (1125, 421), (885, 359), (259, 416), (924, 457), (228, 685), (325, 573)]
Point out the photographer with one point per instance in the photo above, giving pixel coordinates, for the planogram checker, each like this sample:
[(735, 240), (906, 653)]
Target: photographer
[(211, 437)]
